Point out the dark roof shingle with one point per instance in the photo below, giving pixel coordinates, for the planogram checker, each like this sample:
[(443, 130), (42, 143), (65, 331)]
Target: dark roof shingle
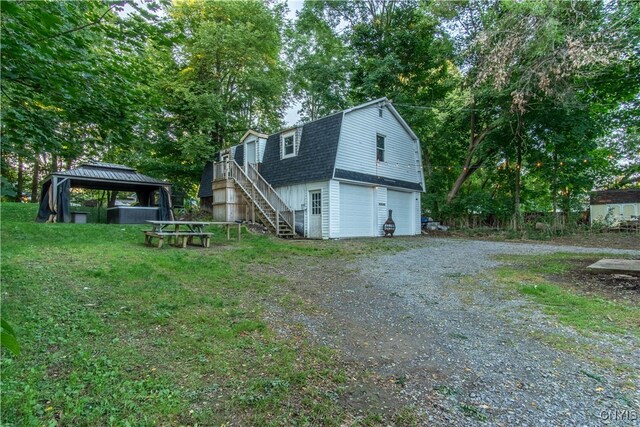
[(316, 155), (615, 196), (378, 180)]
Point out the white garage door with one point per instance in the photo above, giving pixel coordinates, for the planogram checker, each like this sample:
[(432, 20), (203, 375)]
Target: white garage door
[(401, 204), (356, 211)]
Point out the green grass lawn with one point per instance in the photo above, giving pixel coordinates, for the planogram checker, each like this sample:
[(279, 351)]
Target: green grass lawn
[(116, 333), (531, 276)]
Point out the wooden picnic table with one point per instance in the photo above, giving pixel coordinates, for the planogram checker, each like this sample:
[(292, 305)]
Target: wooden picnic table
[(183, 232)]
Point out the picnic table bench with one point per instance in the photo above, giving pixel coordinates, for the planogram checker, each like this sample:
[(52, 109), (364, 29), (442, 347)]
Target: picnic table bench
[(183, 232)]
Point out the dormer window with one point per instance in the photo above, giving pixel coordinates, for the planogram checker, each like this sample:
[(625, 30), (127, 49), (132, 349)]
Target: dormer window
[(288, 145)]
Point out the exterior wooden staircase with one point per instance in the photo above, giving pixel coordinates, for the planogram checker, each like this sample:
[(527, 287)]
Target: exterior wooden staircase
[(269, 207)]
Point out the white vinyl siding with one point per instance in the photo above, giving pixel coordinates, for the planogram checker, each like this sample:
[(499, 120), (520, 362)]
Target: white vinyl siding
[(356, 211), (617, 212), (297, 198), (358, 146), (334, 209), (381, 202), (417, 213), (402, 205), (262, 143)]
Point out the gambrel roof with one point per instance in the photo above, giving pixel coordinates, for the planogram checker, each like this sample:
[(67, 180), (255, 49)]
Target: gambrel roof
[(316, 156)]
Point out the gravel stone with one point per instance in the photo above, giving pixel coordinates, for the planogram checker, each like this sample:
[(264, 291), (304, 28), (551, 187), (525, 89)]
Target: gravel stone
[(464, 349)]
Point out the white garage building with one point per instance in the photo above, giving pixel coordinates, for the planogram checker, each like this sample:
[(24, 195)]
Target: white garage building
[(338, 175)]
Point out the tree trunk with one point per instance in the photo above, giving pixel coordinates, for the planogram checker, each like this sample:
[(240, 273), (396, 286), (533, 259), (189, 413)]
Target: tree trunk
[(113, 195), (54, 163), (462, 178), (35, 181), (428, 170), (475, 139), (517, 215), (20, 186), (554, 193)]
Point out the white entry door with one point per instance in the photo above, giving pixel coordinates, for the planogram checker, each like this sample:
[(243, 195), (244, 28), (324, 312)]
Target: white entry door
[(250, 155), (315, 214)]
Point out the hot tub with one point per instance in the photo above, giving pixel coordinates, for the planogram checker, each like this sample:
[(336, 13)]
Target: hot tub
[(131, 214)]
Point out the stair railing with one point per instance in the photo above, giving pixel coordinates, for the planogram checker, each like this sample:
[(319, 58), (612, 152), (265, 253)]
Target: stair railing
[(272, 196), (256, 186)]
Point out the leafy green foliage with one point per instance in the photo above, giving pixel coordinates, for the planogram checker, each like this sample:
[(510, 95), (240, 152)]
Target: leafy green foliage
[(8, 338), (71, 76), (535, 102), (320, 65), (519, 105), (221, 74)]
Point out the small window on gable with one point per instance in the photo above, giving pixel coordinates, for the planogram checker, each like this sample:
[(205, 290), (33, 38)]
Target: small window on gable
[(380, 148), (288, 145)]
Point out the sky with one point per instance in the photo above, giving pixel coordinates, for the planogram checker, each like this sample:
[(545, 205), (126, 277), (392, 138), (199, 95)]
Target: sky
[(291, 116)]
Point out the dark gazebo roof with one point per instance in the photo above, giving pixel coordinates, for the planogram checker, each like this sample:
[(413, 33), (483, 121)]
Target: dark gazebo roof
[(108, 176)]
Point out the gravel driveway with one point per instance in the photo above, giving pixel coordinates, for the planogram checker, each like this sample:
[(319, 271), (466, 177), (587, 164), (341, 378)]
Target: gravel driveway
[(438, 334)]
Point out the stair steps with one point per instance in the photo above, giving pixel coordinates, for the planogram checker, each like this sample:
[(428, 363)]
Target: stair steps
[(272, 218)]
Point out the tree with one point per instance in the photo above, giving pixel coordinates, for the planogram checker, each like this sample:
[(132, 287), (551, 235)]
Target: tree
[(320, 65), (71, 79), (221, 75), (523, 56)]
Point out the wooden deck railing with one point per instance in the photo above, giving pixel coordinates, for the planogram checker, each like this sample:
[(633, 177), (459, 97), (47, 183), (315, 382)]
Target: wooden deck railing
[(220, 171)]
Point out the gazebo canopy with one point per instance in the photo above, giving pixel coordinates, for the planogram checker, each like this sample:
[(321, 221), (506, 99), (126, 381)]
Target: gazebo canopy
[(54, 198), (108, 176)]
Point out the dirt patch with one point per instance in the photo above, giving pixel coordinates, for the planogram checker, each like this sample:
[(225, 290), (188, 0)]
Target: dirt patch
[(618, 287), (378, 359)]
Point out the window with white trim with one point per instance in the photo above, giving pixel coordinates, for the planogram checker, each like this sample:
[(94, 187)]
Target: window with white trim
[(288, 146), (316, 203), (380, 148)]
